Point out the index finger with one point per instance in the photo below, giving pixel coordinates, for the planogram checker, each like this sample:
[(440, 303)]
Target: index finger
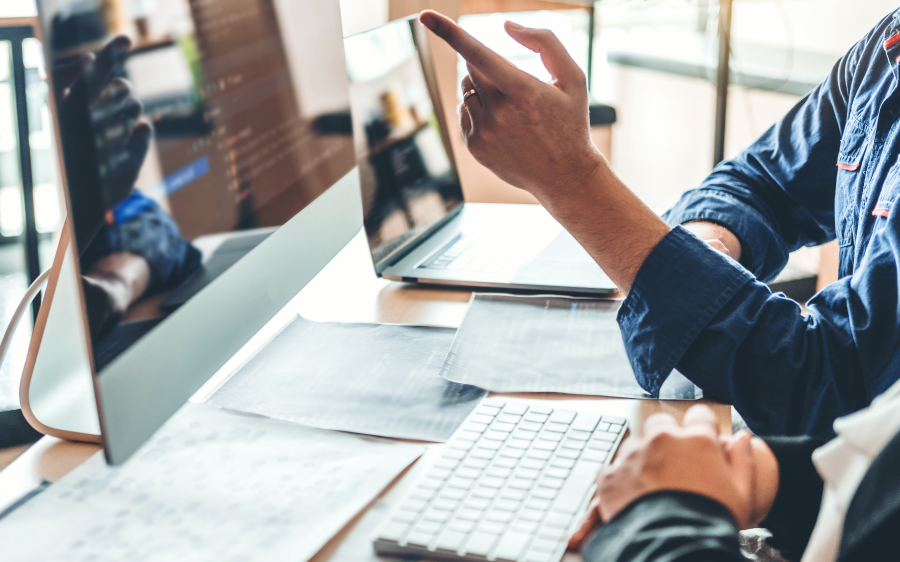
[(701, 416), (497, 69)]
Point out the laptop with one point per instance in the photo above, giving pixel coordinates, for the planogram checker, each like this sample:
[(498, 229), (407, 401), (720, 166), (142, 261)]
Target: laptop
[(419, 227)]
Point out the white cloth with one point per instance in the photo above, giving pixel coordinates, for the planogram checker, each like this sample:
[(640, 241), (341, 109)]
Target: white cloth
[(842, 463)]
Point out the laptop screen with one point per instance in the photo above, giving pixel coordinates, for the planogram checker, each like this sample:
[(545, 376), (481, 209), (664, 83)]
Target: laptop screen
[(409, 178)]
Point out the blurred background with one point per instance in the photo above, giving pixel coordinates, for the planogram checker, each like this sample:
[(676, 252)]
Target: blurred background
[(652, 61)]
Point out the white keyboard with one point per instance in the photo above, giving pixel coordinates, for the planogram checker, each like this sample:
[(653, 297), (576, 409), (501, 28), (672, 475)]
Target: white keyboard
[(511, 486)]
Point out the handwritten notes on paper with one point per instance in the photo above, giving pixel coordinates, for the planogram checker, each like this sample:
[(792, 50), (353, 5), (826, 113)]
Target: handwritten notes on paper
[(210, 486)]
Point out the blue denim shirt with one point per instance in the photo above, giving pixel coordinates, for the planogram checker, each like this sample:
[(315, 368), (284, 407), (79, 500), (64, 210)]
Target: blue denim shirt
[(828, 169)]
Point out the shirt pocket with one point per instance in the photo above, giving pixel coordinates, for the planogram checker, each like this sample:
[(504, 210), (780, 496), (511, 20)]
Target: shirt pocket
[(848, 189)]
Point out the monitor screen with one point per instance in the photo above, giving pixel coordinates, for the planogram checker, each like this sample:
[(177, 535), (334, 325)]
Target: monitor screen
[(191, 130), (407, 171)]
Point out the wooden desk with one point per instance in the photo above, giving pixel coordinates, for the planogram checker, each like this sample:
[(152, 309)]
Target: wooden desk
[(348, 291)]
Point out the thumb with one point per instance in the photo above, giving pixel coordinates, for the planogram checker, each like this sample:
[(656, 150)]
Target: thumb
[(554, 55), (740, 459)]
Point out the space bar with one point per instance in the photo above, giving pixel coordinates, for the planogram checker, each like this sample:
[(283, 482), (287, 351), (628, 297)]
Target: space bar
[(578, 483)]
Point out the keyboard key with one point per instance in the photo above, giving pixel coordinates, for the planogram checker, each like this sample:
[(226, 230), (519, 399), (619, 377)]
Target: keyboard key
[(476, 427), (573, 444), (530, 426), (419, 538), (470, 473), (492, 482), (449, 541), (525, 526), (544, 545), (602, 426), (558, 520), (506, 505), (393, 531), (454, 454), (556, 427), (512, 453), (493, 402), (562, 463), (445, 504), (549, 482), (475, 463), (436, 515), (467, 435), (460, 483), (481, 418), (486, 410), (541, 410), (499, 472), (545, 493), (480, 543), (604, 436), (520, 484), (518, 444), (557, 472), (586, 421), (511, 546), (539, 454), (515, 408), (499, 516), (599, 445), (562, 416), (469, 514), (536, 418), (536, 464), (614, 420), (568, 453), (527, 473), (491, 445), (524, 435), (552, 533), (484, 492), (550, 436), (542, 445), (478, 503), (458, 445), (531, 515), (494, 435), (503, 426), (507, 460), (577, 485), (513, 494), (461, 526), (482, 453), (579, 435), (427, 527), (453, 494), (538, 556), (538, 504), (492, 527), (594, 455), (509, 418)]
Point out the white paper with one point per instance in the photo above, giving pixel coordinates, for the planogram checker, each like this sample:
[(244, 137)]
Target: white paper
[(512, 343), (212, 486)]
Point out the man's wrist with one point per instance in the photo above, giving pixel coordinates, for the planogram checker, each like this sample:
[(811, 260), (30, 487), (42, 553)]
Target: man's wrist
[(709, 231)]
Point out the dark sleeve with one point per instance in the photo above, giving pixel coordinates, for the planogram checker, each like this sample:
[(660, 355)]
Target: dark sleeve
[(668, 527), (796, 508)]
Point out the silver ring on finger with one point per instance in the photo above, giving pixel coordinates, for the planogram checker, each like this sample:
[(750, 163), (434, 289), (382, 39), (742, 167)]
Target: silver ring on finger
[(468, 94)]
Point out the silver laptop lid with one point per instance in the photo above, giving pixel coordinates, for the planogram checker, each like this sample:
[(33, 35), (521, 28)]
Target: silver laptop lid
[(410, 185)]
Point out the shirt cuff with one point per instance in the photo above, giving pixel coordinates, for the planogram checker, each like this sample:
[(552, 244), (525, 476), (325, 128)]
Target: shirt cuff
[(761, 253), (681, 286)]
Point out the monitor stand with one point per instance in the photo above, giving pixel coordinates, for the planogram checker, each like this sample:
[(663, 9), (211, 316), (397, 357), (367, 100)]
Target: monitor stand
[(57, 389)]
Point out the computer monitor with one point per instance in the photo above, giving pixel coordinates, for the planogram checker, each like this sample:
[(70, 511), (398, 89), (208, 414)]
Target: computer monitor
[(208, 154)]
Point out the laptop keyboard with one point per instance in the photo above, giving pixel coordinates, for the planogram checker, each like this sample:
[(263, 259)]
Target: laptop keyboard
[(476, 253), (511, 486)]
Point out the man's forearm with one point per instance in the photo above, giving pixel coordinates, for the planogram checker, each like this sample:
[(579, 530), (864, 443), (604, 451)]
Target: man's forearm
[(610, 222)]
